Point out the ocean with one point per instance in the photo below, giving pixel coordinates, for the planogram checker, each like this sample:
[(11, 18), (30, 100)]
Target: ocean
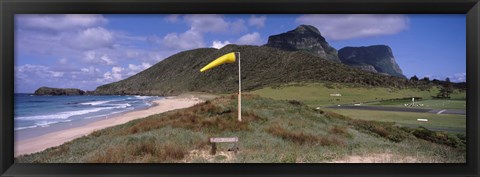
[(38, 115)]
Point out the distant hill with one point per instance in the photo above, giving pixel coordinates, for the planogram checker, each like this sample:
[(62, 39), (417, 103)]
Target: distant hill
[(377, 58), (261, 66)]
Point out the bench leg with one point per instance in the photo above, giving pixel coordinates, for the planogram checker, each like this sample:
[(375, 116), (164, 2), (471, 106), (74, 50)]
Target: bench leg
[(214, 149)]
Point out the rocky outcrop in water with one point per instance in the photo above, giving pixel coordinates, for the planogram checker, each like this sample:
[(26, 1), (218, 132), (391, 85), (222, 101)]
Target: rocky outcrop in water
[(58, 91)]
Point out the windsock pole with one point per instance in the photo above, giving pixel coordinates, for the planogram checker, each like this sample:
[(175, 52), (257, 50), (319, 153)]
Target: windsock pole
[(239, 90)]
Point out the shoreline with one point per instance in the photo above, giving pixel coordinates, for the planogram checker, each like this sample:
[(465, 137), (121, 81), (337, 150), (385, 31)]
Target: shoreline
[(32, 133), (40, 143)]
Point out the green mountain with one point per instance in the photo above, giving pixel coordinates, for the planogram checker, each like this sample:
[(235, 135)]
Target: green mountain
[(261, 66)]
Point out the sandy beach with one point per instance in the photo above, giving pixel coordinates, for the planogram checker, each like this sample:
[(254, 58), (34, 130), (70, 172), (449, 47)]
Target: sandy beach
[(53, 139)]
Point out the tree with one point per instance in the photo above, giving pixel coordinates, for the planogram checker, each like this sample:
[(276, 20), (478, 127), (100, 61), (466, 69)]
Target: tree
[(414, 78), (426, 79), (446, 90)]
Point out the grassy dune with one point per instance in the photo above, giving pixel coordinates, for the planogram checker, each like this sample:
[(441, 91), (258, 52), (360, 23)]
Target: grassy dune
[(271, 131)]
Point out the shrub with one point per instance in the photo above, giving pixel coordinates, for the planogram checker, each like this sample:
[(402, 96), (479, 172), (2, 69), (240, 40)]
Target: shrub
[(109, 155), (302, 138), (289, 158), (383, 129), (338, 130), (209, 117), (60, 150), (172, 151), (329, 85), (462, 138), (295, 102), (438, 137), (333, 115)]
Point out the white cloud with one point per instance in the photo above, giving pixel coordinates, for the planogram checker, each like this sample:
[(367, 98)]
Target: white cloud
[(133, 54), (92, 57), (192, 38), (187, 40), (201, 24), (59, 22), (82, 50), (107, 60), (91, 38), (25, 73), (206, 23), (134, 69), (90, 70), (107, 77), (112, 76), (30, 77), (343, 26), (250, 39), (34, 42), (459, 77), (238, 26), (259, 21), (118, 73), (219, 44), (172, 18), (63, 61), (57, 74)]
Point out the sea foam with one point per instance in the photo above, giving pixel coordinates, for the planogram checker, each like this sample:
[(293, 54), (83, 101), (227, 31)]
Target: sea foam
[(94, 103), (63, 115)]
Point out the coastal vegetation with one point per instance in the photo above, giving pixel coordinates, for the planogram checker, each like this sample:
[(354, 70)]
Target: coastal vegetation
[(271, 131)]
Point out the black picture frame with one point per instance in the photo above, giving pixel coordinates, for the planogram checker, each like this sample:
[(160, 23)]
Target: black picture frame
[(8, 8)]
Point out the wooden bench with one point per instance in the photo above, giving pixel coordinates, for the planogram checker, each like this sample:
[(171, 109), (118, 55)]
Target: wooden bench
[(214, 142)]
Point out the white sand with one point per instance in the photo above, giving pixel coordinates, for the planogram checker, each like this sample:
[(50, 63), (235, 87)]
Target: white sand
[(53, 139), (378, 158)]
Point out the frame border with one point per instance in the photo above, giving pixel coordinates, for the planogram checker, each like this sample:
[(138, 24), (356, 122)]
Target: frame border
[(8, 8)]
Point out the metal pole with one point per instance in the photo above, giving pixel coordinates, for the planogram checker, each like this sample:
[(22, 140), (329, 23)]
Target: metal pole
[(239, 90)]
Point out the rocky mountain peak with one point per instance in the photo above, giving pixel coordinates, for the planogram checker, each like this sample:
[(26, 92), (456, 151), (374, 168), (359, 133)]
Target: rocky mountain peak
[(377, 58), (304, 38), (307, 29)]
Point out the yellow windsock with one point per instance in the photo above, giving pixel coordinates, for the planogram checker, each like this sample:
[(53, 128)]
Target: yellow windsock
[(227, 58)]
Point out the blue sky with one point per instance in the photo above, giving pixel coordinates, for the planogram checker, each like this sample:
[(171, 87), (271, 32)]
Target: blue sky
[(86, 51)]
